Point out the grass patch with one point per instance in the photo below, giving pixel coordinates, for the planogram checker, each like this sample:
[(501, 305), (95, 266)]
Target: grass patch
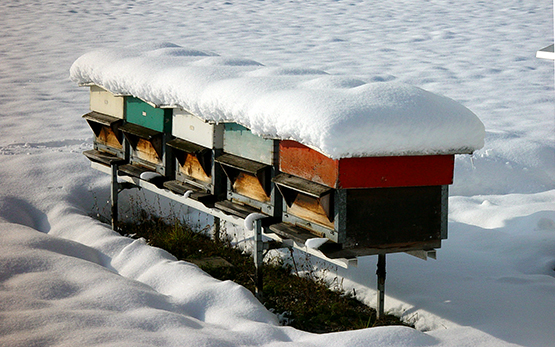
[(304, 303)]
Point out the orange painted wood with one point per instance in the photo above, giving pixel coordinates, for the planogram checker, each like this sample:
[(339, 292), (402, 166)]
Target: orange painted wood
[(368, 172), (301, 161)]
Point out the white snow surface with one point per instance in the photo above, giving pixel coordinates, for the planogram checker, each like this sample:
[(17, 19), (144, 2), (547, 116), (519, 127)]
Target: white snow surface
[(341, 116), (68, 280)]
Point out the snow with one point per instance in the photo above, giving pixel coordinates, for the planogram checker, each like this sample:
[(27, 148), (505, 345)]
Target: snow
[(339, 115), (148, 176), (315, 243), (251, 220), (66, 279)]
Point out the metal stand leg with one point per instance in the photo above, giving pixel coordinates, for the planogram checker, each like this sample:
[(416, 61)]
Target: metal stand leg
[(114, 195), (115, 189), (217, 227), (381, 285), (258, 257)]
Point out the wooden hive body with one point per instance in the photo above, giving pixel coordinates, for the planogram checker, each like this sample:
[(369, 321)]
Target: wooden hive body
[(195, 145), (102, 101), (366, 205), (249, 163), (147, 130), (105, 120)]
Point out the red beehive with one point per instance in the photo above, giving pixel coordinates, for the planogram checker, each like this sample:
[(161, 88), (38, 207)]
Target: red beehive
[(365, 205)]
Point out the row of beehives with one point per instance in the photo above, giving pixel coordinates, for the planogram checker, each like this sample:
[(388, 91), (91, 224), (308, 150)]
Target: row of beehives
[(364, 205)]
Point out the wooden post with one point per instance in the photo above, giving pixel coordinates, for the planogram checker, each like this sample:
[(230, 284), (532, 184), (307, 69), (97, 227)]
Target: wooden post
[(381, 285), (114, 195), (258, 257)]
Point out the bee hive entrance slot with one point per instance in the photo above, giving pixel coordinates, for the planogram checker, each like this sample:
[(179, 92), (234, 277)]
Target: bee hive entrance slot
[(307, 200), (194, 161), (247, 177)]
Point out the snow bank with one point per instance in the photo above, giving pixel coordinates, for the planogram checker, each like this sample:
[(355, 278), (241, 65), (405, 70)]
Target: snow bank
[(341, 116), (58, 292)]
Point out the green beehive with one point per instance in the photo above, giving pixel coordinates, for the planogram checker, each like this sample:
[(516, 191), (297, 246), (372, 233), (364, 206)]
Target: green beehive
[(147, 130)]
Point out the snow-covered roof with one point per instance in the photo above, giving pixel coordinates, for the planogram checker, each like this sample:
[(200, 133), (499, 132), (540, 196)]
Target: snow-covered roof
[(340, 116)]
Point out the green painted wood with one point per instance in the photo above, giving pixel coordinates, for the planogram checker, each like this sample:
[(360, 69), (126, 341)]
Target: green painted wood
[(141, 113), (239, 141)]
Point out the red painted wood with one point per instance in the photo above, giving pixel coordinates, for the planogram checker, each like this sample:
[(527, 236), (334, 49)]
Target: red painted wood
[(406, 171), (369, 172)]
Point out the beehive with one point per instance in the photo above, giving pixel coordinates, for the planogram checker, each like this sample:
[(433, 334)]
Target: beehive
[(249, 163), (105, 120), (195, 145), (146, 130), (365, 205)]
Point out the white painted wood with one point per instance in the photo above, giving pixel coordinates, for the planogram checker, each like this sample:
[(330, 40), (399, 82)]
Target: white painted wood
[(189, 127), (102, 101)]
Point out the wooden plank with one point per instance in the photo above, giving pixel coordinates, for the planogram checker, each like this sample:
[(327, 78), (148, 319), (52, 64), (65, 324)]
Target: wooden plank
[(140, 131), (102, 157), (302, 185), (310, 209), (300, 235), (106, 130), (239, 141), (146, 151), (108, 138), (288, 231), (191, 128), (240, 163), (187, 146), (141, 113), (250, 186), (133, 170), (191, 167), (198, 194), (102, 101), (301, 161), (242, 211), (101, 118)]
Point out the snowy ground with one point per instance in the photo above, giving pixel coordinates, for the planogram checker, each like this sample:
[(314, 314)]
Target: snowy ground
[(493, 283)]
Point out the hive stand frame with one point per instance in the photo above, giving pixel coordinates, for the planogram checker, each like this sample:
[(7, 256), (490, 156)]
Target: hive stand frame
[(260, 245), (119, 183)]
